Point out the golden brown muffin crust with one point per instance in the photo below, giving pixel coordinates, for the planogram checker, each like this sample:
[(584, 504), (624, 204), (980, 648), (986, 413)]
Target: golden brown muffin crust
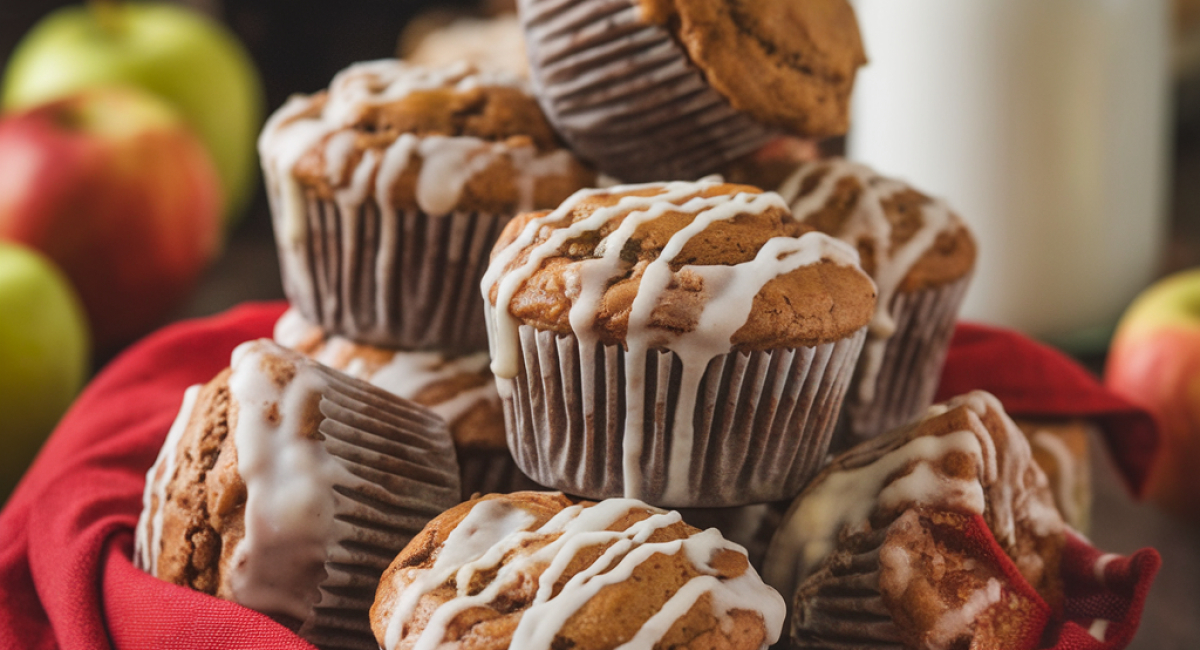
[(497, 114), (949, 259), (788, 64), (812, 305), (607, 620)]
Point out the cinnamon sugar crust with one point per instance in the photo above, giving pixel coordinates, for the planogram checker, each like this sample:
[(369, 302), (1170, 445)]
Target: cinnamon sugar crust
[(788, 64), (811, 305)]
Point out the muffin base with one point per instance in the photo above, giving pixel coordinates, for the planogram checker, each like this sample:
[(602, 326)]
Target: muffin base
[(761, 425), (408, 280)]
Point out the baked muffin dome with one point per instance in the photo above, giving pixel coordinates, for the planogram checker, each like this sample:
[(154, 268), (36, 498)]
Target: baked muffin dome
[(920, 255), (581, 269), (537, 571), (656, 341), (437, 139), (880, 548), (388, 190)]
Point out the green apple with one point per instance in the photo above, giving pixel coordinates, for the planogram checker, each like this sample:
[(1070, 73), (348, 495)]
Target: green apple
[(43, 355), (184, 57)]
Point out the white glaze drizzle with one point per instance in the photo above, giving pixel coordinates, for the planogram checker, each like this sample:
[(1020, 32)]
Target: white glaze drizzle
[(448, 163), (842, 502), (955, 622), (404, 373), (289, 477), (729, 293), (1068, 474), (868, 222), (148, 535), (490, 536)]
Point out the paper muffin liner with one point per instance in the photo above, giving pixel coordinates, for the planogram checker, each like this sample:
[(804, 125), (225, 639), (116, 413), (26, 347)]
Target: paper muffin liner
[(491, 471), (408, 280), (624, 95), (762, 421), (404, 474), (840, 604), (912, 364)]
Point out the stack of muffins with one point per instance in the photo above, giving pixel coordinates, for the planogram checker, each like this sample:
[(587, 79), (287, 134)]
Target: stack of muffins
[(475, 315)]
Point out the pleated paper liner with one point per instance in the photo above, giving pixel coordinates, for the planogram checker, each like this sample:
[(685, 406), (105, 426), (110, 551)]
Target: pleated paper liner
[(841, 604), (912, 364), (624, 95), (408, 281), (492, 471), (404, 474), (762, 421)]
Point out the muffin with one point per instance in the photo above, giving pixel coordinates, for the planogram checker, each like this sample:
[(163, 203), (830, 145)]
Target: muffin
[(942, 534), (653, 90), (1060, 447), (536, 571), (921, 256), (437, 38), (459, 389), (687, 344), (288, 488), (388, 190)]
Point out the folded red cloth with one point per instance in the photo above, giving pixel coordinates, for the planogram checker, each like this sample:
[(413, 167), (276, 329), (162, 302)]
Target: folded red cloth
[(66, 535), (1035, 380)]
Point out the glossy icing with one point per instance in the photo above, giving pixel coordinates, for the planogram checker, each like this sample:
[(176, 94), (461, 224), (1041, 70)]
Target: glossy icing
[(729, 293), (490, 538)]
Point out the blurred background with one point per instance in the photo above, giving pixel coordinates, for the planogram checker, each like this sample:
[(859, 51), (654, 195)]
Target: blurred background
[(1066, 132)]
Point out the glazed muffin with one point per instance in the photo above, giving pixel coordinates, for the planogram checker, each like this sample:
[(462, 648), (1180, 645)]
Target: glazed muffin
[(288, 488), (388, 190), (1060, 447), (889, 546), (459, 389), (536, 571), (436, 39), (652, 90), (687, 344), (921, 256)]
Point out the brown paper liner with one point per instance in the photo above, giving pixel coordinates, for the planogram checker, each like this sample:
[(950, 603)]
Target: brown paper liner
[(762, 421), (492, 471), (912, 364), (404, 459), (410, 282), (624, 95)]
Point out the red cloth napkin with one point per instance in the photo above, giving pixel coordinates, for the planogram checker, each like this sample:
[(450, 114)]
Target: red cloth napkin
[(66, 535)]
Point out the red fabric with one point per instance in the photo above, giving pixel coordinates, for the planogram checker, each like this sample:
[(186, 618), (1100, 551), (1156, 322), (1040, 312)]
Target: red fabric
[(66, 535), (1035, 380)]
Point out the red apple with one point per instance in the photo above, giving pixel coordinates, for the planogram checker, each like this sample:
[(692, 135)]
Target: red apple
[(111, 185), (1154, 361)]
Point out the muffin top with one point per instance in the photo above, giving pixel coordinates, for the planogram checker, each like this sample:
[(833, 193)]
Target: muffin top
[(788, 64), (410, 137), (459, 389), (907, 240), (536, 571), (1060, 448), (241, 502), (965, 458), (697, 268)]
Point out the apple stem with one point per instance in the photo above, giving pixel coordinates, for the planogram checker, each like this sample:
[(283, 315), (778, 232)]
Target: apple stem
[(105, 13)]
